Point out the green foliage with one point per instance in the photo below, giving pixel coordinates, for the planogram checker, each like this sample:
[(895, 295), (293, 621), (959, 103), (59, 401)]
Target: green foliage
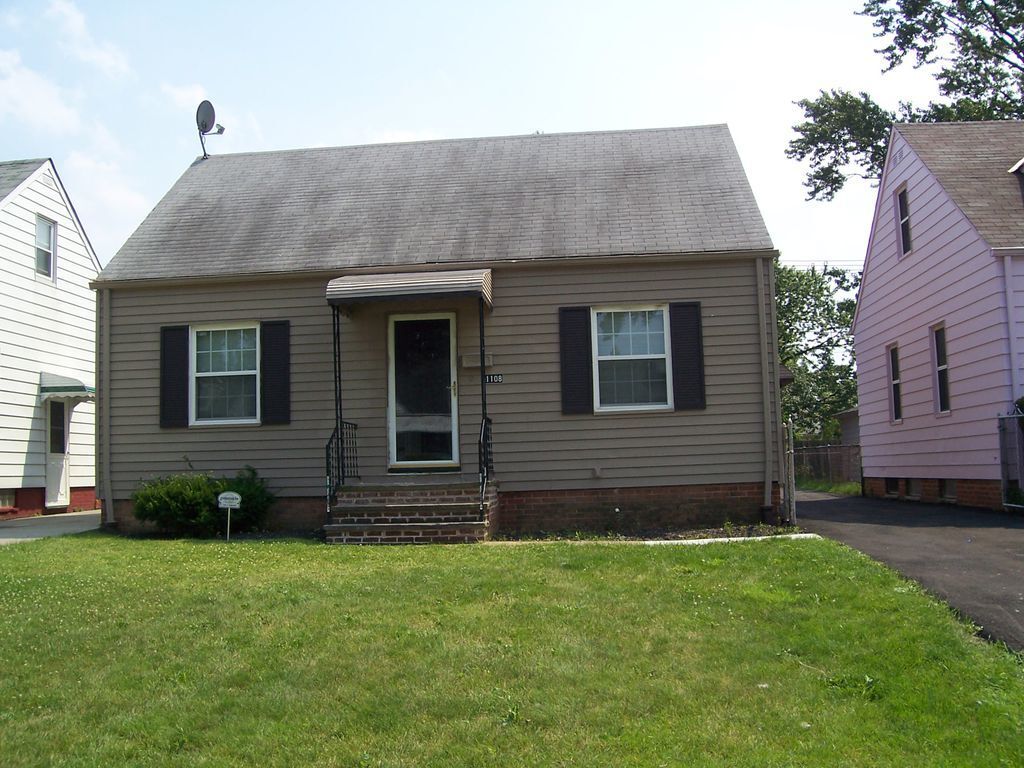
[(843, 488), (844, 135), (186, 504), (977, 50), (815, 312)]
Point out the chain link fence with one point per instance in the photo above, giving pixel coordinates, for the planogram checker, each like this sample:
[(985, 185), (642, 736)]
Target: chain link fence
[(834, 463)]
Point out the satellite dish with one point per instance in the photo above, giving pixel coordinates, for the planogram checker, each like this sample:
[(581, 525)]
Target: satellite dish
[(205, 117)]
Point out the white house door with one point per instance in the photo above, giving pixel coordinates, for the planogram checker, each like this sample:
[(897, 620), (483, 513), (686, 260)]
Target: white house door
[(423, 423), (57, 414)]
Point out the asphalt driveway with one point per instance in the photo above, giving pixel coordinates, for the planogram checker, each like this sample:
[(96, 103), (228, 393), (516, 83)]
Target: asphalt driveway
[(28, 528), (973, 559)]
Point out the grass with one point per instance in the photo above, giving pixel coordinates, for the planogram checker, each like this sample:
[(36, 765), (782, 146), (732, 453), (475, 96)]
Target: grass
[(275, 653), (839, 488)]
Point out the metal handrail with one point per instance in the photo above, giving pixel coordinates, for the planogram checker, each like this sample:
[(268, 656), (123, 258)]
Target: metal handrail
[(342, 459), (485, 458)]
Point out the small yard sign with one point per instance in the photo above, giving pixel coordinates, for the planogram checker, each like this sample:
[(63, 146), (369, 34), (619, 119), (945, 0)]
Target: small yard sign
[(229, 500)]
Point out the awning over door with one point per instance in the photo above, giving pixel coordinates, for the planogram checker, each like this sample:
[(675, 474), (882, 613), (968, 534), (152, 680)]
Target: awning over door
[(358, 289), (52, 385)]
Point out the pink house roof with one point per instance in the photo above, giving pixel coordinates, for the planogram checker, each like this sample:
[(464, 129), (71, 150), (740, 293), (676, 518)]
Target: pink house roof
[(972, 162)]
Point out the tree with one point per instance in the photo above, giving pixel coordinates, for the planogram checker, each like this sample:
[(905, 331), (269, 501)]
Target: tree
[(977, 47), (815, 313)]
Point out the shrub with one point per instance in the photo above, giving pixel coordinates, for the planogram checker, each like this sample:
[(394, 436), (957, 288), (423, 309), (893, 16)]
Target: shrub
[(186, 504)]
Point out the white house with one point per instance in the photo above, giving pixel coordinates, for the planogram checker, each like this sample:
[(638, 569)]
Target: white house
[(47, 345)]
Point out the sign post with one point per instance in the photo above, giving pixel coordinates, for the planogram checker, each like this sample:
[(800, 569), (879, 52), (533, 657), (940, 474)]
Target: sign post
[(229, 500)]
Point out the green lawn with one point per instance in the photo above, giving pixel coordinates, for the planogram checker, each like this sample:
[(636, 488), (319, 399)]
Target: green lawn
[(147, 652), (839, 488)]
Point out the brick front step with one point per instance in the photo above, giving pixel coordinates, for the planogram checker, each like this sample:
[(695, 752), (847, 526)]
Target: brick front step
[(406, 533), (465, 512), (388, 495)]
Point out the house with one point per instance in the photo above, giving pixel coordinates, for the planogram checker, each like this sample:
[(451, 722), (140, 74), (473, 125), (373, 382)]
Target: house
[(47, 345), (447, 339), (941, 312), (849, 426)]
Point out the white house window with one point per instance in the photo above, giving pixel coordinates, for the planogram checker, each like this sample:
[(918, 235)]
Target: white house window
[(225, 380), (632, 366), (46, 239), (903, 215)]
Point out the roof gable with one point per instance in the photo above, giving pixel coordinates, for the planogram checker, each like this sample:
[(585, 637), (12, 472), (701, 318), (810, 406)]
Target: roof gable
[(664, 191), (971, 161), (14, 173), (25, 172)]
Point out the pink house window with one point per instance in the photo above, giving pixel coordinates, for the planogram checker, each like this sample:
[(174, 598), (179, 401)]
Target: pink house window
[(903, 217), (941, 370), (895, 384)]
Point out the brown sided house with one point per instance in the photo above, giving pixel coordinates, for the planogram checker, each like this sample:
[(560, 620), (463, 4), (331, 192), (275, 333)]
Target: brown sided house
[(322, 315)]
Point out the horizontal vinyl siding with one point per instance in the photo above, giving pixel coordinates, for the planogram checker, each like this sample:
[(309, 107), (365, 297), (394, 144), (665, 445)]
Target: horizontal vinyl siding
[(535, 446), (949, 277), (290, 456), (46, 325)]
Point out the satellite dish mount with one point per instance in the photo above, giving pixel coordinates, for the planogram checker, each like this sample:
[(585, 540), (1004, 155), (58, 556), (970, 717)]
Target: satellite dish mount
[(206, 123)]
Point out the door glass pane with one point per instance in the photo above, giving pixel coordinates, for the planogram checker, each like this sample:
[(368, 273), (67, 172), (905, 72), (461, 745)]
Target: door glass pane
[(58, 440), (423, 400)]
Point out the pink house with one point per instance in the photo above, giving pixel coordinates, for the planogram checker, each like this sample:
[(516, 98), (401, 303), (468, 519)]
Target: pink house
[(940, 319)]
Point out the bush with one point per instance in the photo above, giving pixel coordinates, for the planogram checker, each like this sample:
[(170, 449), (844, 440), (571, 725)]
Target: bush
[(187, 504)]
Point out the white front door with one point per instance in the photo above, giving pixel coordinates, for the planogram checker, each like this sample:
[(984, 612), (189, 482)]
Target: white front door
[(423, 413), (57, 417)]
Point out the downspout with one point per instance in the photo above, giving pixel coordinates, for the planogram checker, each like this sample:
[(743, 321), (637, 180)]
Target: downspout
[(104, 388), (776, 383), (1011, 333), (765, 386)]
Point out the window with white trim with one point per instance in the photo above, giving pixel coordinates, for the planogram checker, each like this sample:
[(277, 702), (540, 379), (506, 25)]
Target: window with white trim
[(895, 384), (632, 363), (941, 369), (225, 375), (46, 241), (903, 217)]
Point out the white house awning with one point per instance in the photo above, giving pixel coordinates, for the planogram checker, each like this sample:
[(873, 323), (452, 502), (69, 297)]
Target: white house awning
[(357, 289), (52, 385)]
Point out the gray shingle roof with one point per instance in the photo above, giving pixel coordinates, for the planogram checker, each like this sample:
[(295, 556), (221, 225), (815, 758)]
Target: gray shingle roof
[(971, 161), (676, 190), (13, 172)]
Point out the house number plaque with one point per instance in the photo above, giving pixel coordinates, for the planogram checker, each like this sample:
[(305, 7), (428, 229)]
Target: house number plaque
[(493, 378)]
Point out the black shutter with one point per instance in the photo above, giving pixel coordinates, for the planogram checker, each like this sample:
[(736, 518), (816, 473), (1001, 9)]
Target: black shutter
[(687, 356), (174, 376), (275, 372), (577, 370)]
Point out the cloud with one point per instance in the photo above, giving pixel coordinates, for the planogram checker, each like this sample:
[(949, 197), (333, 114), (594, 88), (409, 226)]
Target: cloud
[(184, 96), (11, 19), (77, 39), (107, 200), (30, 99)]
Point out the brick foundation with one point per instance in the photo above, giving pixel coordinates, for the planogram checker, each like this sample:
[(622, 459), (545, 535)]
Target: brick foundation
[(632, 509), (986, 494), (514, 512), (32, 501)]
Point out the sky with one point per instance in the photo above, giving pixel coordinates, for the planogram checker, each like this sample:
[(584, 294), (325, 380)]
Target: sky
[(109, 90)]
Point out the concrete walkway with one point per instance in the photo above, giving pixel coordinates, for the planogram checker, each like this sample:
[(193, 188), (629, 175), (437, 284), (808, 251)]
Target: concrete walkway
[(29, 528), (973, 559)]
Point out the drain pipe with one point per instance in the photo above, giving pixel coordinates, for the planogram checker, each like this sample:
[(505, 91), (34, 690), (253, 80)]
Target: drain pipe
[(103, 380), (1011, 333), (766, 507)]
